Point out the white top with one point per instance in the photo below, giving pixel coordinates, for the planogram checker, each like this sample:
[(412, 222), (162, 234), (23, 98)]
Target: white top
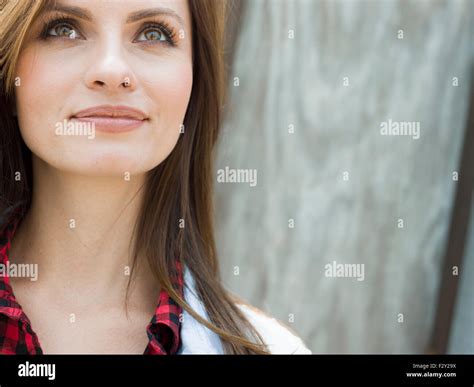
[(198, 339)]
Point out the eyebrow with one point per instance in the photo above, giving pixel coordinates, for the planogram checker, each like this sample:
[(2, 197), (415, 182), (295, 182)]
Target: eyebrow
[(84, 14), (81, 13), (151, 12)]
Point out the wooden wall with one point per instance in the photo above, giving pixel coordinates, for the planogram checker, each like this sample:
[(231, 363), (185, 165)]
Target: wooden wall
[(334, 72)]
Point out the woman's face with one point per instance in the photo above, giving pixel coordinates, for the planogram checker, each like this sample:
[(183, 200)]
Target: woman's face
[(102, 89)]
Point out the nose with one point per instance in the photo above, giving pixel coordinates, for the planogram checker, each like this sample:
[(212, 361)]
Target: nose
[(109, 70)]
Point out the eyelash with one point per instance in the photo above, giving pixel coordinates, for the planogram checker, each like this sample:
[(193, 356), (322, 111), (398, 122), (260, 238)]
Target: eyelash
[(162, 26)]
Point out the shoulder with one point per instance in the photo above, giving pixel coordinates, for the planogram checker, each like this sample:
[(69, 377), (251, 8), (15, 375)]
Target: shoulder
[(279, 338), (196, 338)]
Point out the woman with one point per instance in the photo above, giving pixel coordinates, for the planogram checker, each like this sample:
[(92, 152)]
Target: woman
[(109, 113)]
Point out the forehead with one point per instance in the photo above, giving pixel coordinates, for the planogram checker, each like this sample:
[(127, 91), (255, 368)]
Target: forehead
[(123, 10)]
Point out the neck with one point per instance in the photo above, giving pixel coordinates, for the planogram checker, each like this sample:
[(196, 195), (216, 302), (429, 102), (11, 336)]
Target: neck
[(79, 231)]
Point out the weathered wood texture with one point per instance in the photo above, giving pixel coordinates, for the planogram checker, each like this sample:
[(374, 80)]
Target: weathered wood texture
[(337, 129)]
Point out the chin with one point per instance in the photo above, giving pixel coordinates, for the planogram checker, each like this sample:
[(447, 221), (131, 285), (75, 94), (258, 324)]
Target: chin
[(107, 164)]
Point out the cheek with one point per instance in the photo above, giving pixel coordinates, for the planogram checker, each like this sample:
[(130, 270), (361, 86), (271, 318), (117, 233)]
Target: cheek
[(40, 94), (170, 92)]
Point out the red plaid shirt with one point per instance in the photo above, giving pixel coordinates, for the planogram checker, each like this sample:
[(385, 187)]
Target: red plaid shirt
[(17, 335)]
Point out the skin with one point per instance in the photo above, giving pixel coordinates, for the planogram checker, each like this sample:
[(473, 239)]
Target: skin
[(81, 270)]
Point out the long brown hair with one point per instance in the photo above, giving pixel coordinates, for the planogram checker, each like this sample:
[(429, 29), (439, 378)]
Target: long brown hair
[(178, 191)]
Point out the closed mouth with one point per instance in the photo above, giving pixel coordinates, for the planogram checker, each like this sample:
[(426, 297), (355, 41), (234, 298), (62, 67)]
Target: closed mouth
[(112, 119), (109, 111)]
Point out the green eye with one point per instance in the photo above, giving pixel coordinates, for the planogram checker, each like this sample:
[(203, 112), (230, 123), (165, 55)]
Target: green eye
[(156, 33), (152, 34), (63, 30)]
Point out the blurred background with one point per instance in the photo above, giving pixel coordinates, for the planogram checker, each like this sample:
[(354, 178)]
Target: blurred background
[(358, 119)]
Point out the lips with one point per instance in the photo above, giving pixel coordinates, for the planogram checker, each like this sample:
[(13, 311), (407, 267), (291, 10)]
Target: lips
[(112, 119)]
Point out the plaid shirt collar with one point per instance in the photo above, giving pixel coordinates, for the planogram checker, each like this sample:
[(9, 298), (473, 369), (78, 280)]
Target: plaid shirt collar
[(17, 335)]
